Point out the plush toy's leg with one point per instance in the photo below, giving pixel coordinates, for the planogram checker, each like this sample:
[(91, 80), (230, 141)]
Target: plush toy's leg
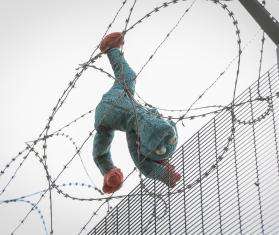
[(123, 73), (101, 150), (163, 172), (113, 177)]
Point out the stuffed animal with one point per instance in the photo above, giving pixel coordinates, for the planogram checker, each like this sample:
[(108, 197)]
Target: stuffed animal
[(151, 139)]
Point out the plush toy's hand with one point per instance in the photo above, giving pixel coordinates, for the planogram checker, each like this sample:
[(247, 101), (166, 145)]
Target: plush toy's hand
[(113, 180), (113, 40), (173, 177)]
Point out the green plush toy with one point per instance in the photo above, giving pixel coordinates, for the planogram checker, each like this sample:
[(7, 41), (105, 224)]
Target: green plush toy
[(151, 139)]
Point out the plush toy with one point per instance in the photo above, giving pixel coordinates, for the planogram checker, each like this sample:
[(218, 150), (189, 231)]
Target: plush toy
[(156, 139)]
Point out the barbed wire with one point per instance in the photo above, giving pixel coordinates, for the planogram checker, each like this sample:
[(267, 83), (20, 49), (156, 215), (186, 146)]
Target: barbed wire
[(122, 196), (70, 139), (248, 43), (35, 208), (22, 198), (71, 85), (235, 23), (13, 160)]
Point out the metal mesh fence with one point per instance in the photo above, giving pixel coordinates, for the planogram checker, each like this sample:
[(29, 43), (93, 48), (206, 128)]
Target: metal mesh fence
[(230, 179)]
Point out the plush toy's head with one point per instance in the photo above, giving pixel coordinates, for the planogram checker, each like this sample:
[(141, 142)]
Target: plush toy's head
[(158, 137)]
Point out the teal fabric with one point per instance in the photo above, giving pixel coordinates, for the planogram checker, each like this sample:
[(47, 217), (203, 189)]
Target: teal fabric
[(117, 111)]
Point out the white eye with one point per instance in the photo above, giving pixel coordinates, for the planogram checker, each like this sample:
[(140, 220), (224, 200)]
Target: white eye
[(161, 150), (172, 140)]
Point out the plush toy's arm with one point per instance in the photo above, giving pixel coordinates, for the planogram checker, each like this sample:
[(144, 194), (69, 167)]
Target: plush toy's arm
[(163, 172), (101, 150), (121, 69), (153, 170)]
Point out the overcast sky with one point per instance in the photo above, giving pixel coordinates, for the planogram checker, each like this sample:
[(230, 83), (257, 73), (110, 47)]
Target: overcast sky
[(42, 42)]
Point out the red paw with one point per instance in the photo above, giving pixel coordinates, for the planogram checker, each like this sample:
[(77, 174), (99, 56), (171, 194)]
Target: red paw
[(113, 180), (113, 40), (173, 177)]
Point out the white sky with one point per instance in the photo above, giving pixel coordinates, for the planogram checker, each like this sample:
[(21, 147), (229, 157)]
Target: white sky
[(42, 42)]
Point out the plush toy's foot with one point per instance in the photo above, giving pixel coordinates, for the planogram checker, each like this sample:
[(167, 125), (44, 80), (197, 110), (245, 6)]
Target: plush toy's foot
[(173, 177), (113, 180), (113, 40)]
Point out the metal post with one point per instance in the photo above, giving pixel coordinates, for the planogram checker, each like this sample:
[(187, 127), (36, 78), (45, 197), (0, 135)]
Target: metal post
[(277, 56), (266, 21)]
